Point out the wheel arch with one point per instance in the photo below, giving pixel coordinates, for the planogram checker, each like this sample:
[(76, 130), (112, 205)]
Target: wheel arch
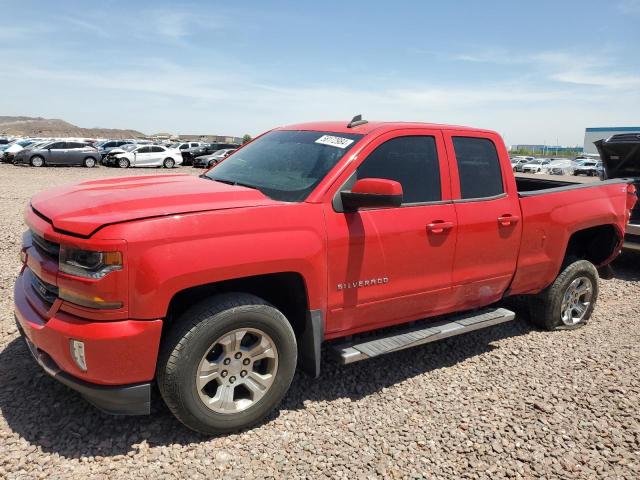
[(286, 291), (598, 244)]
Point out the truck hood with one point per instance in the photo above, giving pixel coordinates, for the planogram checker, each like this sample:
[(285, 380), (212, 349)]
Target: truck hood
[(83, 208), (620, 155)]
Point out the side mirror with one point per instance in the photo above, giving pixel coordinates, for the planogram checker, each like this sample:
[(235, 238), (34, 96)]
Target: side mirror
[(371, 193)]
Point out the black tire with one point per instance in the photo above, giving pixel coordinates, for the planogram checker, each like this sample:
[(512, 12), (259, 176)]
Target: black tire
[(192, 337), (89, 162), (546, 307), (169, 163), (37, 161), (212, 163), (123, 163)]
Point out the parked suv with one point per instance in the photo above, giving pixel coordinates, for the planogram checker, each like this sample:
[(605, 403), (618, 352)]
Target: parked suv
[(105, 147), (59, 153), (189, 150), (590, 168), (217, 146)]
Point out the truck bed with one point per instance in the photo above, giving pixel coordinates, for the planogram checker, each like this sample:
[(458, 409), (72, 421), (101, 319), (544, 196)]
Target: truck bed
[(551, 211), (537, 182)]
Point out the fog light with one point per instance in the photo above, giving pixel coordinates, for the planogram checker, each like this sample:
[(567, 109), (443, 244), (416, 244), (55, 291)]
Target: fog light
[(23, 256), (77, 353)]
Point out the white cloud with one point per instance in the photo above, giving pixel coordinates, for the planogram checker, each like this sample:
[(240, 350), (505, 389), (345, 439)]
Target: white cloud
[(562, 66)]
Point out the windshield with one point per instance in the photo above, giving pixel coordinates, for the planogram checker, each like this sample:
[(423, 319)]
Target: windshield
[(285, 164)]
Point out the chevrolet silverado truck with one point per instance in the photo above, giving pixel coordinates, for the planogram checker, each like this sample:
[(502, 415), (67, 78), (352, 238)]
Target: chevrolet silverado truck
[(620, 156), (217, 287)]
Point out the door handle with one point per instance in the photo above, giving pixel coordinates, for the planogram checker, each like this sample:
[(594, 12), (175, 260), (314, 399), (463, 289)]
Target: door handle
[(507, 220), (438, 226)]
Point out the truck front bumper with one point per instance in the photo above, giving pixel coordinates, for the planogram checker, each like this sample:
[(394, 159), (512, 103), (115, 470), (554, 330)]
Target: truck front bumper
[(120, 355)]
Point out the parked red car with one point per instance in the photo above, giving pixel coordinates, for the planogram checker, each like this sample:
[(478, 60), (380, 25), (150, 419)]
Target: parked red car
[(217, 286)]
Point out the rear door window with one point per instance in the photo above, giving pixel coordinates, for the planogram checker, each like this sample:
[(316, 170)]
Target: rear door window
[(478, 167)]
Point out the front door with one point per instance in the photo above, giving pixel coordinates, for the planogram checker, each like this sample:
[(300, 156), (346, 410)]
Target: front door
[(391, 265), (56, 153), (489, 223), (142, 157)]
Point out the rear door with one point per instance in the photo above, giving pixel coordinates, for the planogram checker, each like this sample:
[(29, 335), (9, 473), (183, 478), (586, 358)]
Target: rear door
[(157, 155), (389, 265), (75, 153), (488, 213)]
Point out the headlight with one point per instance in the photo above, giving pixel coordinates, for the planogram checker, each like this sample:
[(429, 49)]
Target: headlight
[(88, 263)]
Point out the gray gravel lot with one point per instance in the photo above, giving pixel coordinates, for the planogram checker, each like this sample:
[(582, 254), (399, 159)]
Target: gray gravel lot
[(505, 402)]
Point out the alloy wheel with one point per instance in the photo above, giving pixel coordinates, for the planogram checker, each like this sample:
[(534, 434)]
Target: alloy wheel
[(576, 301), (237, 370)]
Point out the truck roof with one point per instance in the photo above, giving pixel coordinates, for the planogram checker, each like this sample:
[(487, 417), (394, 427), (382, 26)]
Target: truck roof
[(341, 127)]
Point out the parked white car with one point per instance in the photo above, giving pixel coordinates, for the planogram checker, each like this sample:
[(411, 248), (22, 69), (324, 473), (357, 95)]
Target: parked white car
[(535, 166), (144, 156), (559, 167)]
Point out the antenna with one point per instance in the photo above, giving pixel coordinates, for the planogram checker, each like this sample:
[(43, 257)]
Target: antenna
[(355, 121)]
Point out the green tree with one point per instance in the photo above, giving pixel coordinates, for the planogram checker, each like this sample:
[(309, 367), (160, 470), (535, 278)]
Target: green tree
[(246, 138)]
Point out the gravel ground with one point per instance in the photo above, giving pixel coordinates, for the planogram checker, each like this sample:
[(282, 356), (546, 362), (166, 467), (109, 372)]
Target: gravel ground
[(509, 401)]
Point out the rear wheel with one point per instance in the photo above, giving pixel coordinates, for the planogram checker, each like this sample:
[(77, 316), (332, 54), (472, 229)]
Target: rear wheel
[(213, 163), (169, 163), (37, 161), (227, 363), (89, 162), (569, 301), (123, 163)]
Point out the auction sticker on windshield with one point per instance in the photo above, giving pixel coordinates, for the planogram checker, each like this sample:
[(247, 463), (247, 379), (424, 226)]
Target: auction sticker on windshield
[(332, 141)]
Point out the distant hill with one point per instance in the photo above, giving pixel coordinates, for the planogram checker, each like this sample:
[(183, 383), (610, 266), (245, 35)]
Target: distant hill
[(53, 127)]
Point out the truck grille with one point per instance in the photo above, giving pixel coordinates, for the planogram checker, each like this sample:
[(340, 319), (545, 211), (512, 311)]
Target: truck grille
[(45, 291), (48, 248)]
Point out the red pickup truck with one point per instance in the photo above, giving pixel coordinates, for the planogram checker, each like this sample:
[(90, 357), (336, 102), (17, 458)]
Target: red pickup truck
[(216, 287)]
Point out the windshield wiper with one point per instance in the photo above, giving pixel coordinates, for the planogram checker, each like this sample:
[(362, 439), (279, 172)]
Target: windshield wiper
[(234, 183)]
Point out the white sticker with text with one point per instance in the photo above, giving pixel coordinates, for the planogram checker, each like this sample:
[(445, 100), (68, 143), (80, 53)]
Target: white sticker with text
[(334, 141)]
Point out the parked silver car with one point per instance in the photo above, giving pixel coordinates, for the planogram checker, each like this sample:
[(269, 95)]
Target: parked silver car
[(59, 153), (208, 161)]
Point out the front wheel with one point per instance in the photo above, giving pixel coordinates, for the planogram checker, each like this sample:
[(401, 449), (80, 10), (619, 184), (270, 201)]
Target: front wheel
[(123, 163), (89, 162), (169, 163), (569, 301), (227, 363)]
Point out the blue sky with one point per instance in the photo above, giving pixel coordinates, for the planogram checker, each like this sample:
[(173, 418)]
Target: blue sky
[(534, 71)]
